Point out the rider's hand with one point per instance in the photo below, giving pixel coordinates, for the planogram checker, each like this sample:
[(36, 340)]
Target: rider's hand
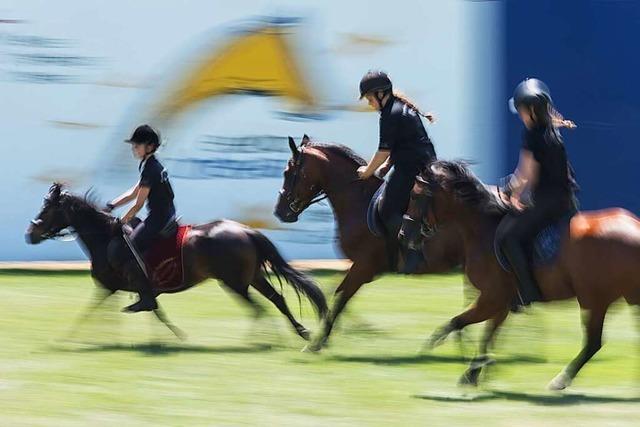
[(516, 203), (382, 171), (108, 208), (362, 172)]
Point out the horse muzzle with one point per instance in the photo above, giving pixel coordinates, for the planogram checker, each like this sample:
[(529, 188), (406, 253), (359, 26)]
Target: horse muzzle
[(32, 235), (286, 210), (287, 216)]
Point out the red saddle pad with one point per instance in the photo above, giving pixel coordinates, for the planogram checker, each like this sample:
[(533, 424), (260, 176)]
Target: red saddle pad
[(164, 261)]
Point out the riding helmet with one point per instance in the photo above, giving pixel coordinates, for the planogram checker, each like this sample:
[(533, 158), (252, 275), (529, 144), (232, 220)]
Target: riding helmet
[(529, 92)]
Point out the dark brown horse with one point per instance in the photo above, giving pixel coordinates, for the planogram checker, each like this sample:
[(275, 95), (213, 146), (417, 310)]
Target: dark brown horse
[(598, 261), (236, 255), (316, 170)]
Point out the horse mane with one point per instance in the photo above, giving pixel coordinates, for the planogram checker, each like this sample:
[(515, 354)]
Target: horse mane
[(87, 207), (466, 186), (341, 150)]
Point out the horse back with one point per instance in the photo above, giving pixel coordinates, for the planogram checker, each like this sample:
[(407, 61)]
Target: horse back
[(613, 223)]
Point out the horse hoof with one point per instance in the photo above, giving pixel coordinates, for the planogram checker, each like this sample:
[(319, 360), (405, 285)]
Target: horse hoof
[(311, 348), (469, 378), (433, 342), (305, 334), (560, 382)]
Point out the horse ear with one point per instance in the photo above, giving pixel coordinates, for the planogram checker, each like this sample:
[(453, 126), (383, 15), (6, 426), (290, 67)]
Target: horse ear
[(293, 147), (55, 190), (305, 139)]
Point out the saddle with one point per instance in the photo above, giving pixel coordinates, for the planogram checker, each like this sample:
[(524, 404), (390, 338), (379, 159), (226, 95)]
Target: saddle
[(163, 263), (544, 248), (374, 221), (169, 230)]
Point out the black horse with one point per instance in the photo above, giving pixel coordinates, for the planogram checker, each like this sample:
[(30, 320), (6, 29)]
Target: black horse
[(225, 250)]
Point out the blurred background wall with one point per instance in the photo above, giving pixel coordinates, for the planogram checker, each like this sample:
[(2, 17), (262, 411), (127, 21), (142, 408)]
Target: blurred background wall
[(587, 52), (227, 82)]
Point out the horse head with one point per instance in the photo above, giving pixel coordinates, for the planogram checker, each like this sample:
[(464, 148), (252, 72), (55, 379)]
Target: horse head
[(302, 184), (52, 219)]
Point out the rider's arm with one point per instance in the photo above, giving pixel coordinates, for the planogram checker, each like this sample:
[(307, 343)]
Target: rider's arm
[(388, 132), (376, 161), (125, 197), (141, 198), (526, 173)]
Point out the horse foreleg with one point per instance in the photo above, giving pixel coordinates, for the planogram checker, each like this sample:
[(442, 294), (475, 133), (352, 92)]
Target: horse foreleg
[(359, 274), (593, 322), (471, 375), (160, 314), (99, 298), (487, 306)]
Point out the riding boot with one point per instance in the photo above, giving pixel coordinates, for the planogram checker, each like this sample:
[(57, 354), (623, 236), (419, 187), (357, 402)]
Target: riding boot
[(413, 256), (147, 300), (392, 227), (528, 290), (392, 247)]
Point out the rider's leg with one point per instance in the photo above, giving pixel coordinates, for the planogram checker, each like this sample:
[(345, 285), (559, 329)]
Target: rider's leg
[(513, 233), (410, 236), (394, 202), (141, 239)]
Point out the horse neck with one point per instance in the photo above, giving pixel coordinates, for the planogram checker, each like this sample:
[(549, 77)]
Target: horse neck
[(93, 229), (477, 228), (349, 197)]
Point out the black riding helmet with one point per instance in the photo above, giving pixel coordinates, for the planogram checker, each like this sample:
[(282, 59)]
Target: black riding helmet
[(373, 81), (144, 134), (530, 92)]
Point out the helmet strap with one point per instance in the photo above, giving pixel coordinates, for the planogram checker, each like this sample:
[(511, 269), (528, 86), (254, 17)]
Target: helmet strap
[(380, 95)]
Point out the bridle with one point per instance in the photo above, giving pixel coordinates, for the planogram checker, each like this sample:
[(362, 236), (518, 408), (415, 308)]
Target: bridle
[(296, 205), (63, 233)]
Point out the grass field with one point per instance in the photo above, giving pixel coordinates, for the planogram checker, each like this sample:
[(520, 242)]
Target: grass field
[(128, 370)]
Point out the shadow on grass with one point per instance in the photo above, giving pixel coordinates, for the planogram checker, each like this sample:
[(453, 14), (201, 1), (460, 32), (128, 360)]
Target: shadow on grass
[(161, 349), (432, 358), (30, 272), (560, 399)]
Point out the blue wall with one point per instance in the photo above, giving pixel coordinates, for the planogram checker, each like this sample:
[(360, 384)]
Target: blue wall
[(587, 52)]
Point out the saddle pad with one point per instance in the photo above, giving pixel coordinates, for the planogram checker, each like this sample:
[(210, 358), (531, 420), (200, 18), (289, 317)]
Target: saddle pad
[(164, 261)]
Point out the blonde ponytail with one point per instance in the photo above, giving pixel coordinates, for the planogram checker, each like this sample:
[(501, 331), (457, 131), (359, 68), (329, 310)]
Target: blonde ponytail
[(558, 121)]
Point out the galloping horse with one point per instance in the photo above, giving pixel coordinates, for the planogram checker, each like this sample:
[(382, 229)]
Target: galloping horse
[(598, 261), (231, 252), (317, 170)]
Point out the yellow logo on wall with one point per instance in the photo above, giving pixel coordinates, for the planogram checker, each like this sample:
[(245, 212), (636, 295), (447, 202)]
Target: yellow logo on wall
[(259, 62)]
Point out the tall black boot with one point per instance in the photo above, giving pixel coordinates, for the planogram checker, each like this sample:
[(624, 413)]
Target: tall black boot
[(528, 290), (410, 238), (413, 257), (392, 227), (147, 300)]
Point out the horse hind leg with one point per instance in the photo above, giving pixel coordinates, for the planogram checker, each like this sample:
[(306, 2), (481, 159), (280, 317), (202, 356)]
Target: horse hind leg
[(264, 287), (242, 290), (593, 321)]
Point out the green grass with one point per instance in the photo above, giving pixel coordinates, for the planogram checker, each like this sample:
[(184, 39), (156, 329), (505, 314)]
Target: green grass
[(128, 370)]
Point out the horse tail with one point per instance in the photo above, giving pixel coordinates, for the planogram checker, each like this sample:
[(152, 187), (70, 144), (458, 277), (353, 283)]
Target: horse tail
[(270, 257)]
